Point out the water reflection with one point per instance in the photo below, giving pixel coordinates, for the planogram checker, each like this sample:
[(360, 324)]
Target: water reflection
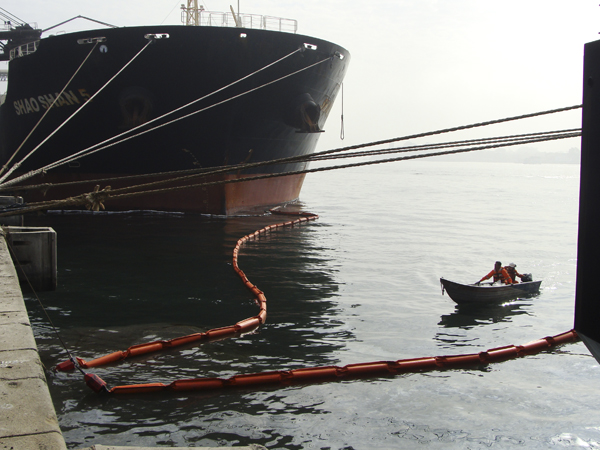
[(131, 278), (464, 329), (468, 316), (198, 420)]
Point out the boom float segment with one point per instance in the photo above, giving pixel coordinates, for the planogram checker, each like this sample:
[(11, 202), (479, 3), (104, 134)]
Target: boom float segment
[(243, 326), (297, 376), (351, 371)]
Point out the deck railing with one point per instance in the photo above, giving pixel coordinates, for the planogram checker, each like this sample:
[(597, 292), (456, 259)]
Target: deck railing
[(254, 21), (24, 50), (8, 26)]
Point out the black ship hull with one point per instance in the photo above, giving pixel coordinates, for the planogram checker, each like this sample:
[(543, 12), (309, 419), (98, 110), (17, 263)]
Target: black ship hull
[(250, 122)]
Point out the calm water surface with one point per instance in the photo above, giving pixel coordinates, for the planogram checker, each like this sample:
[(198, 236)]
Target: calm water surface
[(360, 284)]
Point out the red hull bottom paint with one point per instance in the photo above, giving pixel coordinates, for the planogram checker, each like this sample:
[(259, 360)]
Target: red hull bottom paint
[(220, 199)]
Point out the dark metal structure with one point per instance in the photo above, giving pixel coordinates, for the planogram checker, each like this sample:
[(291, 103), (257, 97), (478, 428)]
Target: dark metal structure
[(14, 33), (267, 116), (587, 300)]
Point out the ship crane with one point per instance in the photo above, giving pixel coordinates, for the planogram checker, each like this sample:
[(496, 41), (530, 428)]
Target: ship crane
[(11, 19), (14, 33)]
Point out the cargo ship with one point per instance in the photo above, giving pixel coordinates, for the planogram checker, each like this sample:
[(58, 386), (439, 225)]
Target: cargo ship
[(149, 103)]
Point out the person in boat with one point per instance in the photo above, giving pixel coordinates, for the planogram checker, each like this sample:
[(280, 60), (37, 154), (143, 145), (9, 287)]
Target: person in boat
[(511, 269), (499, 273)]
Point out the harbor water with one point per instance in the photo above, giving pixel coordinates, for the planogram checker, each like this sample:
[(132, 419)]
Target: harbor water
[(359, 284)]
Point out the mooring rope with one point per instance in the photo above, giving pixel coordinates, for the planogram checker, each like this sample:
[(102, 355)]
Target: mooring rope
[(5, 235), (373, 143), (522, 138), (453, 129), (107, 144), (5, 166), (8, 185), (517, 139), (51, 166), (117, 195), (87, 151), (96, 199), (48, 186), (296, 376), (17, 165)]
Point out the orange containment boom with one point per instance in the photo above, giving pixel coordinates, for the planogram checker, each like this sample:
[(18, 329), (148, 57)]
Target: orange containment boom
[(335, 373), (296, 376), (243, 326)]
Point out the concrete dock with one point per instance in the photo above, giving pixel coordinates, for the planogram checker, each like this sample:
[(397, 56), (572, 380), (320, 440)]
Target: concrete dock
[(27, 417), (111, 447)]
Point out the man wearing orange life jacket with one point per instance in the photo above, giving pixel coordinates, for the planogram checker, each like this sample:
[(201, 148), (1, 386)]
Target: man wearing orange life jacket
[(511, 269), (499, 273)]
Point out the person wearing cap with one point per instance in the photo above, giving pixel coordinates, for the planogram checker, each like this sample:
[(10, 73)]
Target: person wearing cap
[(511, 269), (499, 273)]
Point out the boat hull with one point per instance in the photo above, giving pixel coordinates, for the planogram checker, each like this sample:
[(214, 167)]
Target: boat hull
[(250, 122), (488, 294)]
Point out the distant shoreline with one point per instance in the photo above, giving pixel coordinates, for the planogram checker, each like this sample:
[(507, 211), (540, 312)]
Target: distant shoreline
[(524, 156)]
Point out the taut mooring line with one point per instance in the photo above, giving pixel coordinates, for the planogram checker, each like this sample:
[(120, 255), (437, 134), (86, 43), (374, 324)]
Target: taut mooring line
[(17, 165), (98, 197), (5, 166)]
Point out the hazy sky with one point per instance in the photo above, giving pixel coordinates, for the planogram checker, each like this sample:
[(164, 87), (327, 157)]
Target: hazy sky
[(417, 65)]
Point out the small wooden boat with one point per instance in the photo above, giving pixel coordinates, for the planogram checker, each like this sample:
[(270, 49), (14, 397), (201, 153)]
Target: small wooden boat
[(488, 292)]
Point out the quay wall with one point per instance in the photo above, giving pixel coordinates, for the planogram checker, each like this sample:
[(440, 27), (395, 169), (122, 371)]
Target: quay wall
[(27, 416)]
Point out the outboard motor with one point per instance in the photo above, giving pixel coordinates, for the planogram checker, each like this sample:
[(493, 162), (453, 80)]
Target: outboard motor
[(527, 277)]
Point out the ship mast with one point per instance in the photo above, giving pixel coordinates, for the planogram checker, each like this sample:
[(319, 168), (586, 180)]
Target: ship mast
[(192, 12)]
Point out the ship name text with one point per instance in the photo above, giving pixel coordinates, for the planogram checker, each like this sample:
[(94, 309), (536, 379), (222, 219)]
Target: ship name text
[(36, 104)]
